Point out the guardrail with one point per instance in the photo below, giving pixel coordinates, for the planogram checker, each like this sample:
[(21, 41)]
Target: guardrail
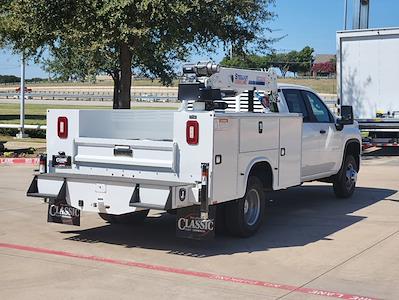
[(162, 97), (91, 96)]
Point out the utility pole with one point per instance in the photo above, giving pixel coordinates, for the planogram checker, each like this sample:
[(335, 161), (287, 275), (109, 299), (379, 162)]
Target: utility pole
[(21, 134)]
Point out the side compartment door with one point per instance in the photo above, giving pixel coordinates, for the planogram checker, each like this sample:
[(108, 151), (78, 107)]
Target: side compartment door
[(290, 152), (225, 164)]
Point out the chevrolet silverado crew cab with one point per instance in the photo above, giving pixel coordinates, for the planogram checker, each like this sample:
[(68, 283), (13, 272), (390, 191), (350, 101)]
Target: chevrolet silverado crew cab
[(237, 136)]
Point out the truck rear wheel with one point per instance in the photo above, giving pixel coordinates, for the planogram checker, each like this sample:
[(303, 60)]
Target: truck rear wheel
[(345, 182), (136, 217), (244, 216)]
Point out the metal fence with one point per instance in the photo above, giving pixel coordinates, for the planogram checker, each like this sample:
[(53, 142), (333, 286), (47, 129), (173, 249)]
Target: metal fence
[(87, 96)]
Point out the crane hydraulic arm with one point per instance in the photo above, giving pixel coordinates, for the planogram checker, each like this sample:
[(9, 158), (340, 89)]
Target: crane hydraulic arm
[(208, 83)]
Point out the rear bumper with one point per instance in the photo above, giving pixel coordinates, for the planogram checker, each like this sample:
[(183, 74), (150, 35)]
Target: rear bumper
[(113, 195)]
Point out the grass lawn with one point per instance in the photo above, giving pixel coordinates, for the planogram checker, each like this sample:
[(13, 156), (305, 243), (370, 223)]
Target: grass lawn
[(325, 85), (7, 138), (35, 114)]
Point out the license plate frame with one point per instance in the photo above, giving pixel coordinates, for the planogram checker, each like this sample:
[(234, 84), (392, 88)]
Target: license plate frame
[(61, 161)]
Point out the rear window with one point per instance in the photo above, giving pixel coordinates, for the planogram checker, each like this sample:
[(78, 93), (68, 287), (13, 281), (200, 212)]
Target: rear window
[(295, 102)]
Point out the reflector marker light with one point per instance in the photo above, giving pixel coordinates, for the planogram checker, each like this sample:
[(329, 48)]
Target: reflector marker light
[(192, 132), (62, 127)]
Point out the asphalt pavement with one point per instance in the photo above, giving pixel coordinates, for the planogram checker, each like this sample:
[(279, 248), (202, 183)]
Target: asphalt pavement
[(311, 246)]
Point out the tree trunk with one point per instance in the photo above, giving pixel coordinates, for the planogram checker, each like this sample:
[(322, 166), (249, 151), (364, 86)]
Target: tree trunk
[(116, 78), (125, 80)]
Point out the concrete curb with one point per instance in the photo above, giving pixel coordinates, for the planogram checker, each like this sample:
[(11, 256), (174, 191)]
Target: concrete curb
[(19, 161)]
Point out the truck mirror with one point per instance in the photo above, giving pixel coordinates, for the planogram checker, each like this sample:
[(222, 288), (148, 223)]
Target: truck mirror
[(346, 115)]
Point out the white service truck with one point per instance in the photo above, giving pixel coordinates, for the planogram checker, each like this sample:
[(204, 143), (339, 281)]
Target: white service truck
[(367, 63), (213, 158)]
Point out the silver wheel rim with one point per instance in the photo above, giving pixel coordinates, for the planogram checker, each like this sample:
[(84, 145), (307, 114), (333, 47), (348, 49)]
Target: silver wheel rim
[(350, 176), (251, 207)]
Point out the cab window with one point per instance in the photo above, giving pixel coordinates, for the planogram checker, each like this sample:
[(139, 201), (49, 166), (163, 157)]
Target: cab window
[(295, 103), (320, 111)]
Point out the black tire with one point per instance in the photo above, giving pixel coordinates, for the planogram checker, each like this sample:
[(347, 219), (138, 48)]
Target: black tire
[(345, 181), (220, 228), (244, 216), (136, 217)]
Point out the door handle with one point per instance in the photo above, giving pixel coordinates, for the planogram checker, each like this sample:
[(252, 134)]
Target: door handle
[(322, 131), (123, 151)]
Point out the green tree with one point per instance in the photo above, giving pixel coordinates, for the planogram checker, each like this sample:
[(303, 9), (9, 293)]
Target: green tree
[(305, 60), (9, 79), (247, 62), (293, 61), (88, 37)]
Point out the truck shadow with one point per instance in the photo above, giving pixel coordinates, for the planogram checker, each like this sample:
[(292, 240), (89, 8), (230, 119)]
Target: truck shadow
[(295, 217)]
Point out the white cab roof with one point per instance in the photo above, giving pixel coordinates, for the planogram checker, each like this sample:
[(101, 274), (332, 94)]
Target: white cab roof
[(294, 86)]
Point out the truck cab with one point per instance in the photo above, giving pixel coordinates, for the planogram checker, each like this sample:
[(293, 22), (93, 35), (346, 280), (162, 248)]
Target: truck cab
[(322, 135)]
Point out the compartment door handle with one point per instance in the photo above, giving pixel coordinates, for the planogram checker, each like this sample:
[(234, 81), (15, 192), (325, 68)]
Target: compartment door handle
[(123, 151)]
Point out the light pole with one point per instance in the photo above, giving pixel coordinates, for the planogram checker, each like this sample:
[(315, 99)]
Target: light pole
[(21, 134), (346, 15), (361, 14)]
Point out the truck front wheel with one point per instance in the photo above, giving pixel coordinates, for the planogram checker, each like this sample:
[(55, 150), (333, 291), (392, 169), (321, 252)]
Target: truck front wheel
[(345, 181), (136, 217), (244, 216)]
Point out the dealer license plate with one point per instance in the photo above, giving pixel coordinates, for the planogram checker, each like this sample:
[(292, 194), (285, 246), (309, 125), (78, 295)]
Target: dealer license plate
[(61, 161)]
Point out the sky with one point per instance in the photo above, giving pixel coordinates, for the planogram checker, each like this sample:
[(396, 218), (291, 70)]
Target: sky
[(302, 22)]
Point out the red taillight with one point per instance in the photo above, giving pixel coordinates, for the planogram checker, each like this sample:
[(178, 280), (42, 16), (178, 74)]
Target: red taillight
[(42, 163), (62, 127), (192, 132)]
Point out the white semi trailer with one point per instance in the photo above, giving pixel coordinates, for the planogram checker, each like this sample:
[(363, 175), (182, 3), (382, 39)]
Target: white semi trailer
[(367, 75)]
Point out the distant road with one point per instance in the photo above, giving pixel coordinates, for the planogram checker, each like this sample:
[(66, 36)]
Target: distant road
[(89, 88), (89, 103)]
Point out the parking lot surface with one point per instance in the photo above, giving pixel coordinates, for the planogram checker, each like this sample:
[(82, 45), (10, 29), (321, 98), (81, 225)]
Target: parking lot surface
[(311, 246)]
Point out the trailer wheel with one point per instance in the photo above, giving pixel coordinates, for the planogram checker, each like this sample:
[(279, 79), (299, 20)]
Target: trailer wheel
[(136, 217), (345, 182), (244, 216)]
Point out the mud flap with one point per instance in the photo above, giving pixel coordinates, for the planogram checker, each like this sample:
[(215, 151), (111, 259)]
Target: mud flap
[(190, 224), (59, 211), (62, 213)]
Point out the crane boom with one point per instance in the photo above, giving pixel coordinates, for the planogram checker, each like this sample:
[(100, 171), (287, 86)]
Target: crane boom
[(240, 80), (209, 83)]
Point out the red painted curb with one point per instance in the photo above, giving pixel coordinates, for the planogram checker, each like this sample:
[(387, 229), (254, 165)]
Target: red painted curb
[(19, 161), (205, 275)]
